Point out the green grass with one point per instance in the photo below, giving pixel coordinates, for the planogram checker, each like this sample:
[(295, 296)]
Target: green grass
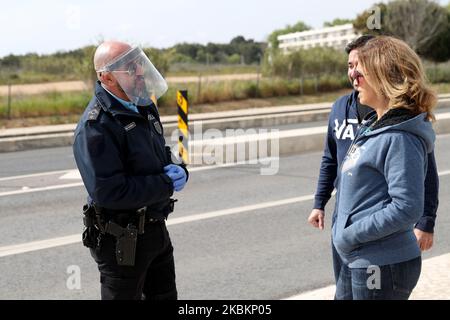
[(438, 72), (441, 87), (214, 92), (49, 104)]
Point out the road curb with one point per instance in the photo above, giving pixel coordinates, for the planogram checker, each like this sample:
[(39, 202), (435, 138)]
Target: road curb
[(308, 139)]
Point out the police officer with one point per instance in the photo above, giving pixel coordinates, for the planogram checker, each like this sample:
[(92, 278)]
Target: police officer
[(129, 175)]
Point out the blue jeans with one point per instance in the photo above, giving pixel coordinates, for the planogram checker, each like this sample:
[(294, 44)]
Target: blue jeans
[(337, 262), (392, 282)]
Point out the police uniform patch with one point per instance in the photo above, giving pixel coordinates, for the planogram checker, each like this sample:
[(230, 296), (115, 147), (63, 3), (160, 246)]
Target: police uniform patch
[(155, 123), (157, 126), (93, 114), (130, 126)]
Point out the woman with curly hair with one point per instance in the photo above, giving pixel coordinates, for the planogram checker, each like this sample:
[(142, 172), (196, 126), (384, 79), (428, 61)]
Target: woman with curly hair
[(381, 180)]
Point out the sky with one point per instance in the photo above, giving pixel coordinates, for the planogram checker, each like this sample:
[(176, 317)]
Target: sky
[(47, 26)]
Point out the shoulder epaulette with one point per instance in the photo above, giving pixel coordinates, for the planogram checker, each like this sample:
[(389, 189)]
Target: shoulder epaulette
[(94, 113)]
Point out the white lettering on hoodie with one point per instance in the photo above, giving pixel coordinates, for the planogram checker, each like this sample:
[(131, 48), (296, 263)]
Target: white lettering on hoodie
[(343, 131)]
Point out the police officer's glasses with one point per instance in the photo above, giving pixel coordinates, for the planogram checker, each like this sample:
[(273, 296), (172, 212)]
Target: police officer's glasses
[(132, 67)]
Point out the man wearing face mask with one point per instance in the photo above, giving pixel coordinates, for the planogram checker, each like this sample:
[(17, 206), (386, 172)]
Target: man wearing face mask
[(346, 115), (129, 175)]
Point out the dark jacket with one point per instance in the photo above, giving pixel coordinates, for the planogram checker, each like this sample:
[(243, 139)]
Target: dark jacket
[(121, 155), (345, 117)]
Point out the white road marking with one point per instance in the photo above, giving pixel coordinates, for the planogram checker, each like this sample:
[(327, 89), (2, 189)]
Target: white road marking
[(38, 245), (61, 241), (71, 175), (225, 212), (49, 243), (33, 175), (29, 190), (74, 174), (444, 173)]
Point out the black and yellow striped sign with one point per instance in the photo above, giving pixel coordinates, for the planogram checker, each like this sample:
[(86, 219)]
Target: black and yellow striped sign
[(183, 129)]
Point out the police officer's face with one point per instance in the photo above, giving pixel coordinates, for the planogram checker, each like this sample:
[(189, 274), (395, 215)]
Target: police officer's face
[(131, 78)]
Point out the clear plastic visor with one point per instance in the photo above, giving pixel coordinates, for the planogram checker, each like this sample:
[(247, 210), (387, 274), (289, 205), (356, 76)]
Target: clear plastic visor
[(137, 77)]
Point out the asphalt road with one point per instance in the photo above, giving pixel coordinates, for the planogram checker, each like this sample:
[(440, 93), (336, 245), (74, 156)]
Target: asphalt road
[(260, 252)]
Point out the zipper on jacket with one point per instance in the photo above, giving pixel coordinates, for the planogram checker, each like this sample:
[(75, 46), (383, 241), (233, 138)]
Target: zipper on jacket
[(338, 177)]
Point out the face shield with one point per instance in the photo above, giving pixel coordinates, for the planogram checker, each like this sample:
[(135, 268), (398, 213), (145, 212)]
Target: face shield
[(137, 77)]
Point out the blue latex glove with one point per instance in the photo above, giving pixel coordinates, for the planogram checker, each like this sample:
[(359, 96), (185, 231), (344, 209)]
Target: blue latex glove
[(177, 175)]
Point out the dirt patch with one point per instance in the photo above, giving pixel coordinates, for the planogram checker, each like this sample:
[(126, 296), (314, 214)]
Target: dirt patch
[(29, 89), (64, 86)]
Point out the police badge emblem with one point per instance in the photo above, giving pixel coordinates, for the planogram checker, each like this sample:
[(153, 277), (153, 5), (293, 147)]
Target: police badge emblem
[(157, 126), (155, 123)]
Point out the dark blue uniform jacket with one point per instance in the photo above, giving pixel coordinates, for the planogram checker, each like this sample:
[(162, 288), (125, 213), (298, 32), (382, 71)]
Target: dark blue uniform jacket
[(121, 154)]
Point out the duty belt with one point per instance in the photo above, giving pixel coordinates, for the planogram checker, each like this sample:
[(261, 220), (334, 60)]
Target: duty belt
[(112, 222), (97, 218)]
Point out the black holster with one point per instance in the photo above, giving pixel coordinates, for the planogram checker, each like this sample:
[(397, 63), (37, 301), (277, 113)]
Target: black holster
[(126, 239)]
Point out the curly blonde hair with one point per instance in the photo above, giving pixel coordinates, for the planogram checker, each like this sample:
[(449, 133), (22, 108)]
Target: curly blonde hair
[(393, 69)]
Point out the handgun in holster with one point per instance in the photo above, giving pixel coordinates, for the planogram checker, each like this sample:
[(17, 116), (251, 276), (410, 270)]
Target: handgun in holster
[(126, 239)]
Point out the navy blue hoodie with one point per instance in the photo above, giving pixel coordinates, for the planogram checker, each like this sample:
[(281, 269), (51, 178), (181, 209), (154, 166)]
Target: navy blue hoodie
[(345, 116)]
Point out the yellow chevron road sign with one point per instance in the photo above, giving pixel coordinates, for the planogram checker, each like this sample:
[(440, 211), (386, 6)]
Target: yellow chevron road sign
[(183, 128)]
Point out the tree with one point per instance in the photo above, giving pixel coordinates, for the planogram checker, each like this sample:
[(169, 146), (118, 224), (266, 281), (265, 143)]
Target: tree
[(307, 63), (85, 67), (238, 40), (158, 59), (423, 24), (234, 59), (417, 22), (439, 50), (10, 61), (188, 49), (249, 50), (298, 27), (337, 22)]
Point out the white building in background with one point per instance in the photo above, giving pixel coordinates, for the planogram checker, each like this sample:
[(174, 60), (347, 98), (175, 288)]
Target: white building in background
[(336, 37)]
